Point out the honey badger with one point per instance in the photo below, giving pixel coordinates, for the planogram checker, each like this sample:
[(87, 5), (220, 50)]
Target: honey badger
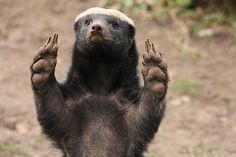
[(101, 110)]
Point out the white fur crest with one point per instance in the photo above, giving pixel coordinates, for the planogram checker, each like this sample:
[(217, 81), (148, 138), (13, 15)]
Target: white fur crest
[(111, 12)]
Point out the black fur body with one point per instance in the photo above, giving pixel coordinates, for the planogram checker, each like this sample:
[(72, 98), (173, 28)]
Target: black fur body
[(100, 110)]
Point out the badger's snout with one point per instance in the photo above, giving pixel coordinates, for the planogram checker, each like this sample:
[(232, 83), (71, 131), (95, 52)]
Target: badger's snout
[(98, 32), (97, 27)]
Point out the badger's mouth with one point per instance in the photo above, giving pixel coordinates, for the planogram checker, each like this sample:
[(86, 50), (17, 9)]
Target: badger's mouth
[(96, 37)]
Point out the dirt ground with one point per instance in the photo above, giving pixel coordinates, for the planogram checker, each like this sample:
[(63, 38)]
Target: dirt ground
[(203, 125)]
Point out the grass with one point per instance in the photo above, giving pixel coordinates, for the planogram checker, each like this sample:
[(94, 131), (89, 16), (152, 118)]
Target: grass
[(149, 155), (185, 86), (201, 151), (7, 149)]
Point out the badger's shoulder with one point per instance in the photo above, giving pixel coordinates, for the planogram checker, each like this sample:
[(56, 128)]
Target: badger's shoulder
[(108, 12)]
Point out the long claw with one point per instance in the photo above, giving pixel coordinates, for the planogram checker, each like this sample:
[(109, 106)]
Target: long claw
[(148, 41), (153, 48), (147, 46), (55, 37), (143, 64), (48, 41)]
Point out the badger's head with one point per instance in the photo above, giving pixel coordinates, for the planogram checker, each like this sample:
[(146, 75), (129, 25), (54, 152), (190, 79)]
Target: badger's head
[(108, 30)]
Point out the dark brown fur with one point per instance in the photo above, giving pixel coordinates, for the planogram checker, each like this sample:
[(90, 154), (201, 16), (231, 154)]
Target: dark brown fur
[(100, 110)]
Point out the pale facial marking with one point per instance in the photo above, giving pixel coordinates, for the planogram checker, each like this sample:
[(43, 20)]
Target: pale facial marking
[(111, 12)]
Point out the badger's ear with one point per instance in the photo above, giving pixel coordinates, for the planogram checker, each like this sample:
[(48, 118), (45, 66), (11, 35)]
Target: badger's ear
[(131, 31)]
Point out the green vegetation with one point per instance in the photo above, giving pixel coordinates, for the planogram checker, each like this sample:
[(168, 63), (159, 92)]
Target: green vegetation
[(201, 151), (11, 150), (209, 12), (199, 18), (149, 155), (185, 86)]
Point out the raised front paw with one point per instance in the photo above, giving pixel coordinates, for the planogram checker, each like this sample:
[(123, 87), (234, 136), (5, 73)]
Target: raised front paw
[(44, 62), (154, 71)]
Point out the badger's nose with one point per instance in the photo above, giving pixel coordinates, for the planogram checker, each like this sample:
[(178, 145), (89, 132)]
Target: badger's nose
[(96, 28)]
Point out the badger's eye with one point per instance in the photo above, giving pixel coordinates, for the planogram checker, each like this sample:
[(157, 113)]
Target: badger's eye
[(87, 22), (115, 25)]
